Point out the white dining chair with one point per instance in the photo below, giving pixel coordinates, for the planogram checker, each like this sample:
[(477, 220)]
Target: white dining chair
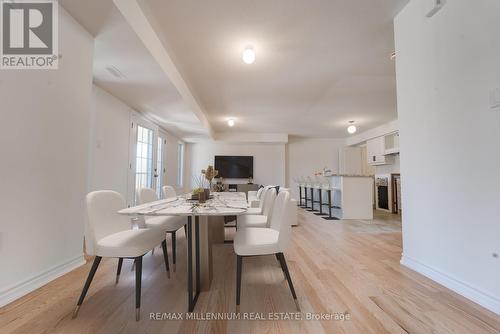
[(262, 220), (169, 224), (255, 204), (273, 240), (108, 234), (168, 192), (259, 210), (254, 197)]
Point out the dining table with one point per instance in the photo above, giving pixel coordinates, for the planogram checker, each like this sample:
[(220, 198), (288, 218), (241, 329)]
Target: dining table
[(208, 218)]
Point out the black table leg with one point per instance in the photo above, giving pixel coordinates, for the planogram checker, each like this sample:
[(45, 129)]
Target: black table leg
[(192, 301), (197, 246)]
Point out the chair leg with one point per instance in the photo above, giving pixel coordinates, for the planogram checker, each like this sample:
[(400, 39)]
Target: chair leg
[(119, 269), (279, 261), (138, 281), (288, 278), (185, 231), (165, 256), (173, 249), (239, 264), (97, 260), (320, 201)]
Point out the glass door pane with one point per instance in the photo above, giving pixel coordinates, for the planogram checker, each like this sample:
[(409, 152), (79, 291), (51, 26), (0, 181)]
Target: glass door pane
[(144, 158), (160, 165)]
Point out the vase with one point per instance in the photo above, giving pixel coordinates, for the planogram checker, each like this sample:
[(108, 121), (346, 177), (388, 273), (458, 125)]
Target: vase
[(202, 197)]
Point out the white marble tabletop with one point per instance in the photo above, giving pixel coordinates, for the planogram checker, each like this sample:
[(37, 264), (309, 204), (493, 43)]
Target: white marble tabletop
[(222, 204)]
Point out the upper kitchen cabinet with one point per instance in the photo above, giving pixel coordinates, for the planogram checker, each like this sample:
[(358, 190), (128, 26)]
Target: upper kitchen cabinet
[(350, 161), (376, 152), (391, 142)]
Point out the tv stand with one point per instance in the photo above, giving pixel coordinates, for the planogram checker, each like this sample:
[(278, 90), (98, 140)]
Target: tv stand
[(242, 188)]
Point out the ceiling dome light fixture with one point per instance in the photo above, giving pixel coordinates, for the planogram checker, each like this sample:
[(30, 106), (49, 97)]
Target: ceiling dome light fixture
[(351, 128), (248, 55), (230, 122)]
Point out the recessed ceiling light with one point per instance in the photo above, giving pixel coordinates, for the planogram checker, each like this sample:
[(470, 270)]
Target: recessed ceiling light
[(351, 128), (230, 122), (248, 55)]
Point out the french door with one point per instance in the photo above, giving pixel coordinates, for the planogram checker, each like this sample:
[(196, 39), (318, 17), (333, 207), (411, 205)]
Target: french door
[(147, 158), (160, 170)]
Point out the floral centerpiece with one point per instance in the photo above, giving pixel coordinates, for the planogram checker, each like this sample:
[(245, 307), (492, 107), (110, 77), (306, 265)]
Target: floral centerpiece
[(202, 189), (198, 186), (210, 173)]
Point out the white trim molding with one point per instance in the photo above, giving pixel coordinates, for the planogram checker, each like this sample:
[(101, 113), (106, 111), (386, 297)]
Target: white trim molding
[(475, 294), (18, 290), (248, 137)]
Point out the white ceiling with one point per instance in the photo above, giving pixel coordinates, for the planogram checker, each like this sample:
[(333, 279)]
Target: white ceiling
[(144, 86), (320, 63)]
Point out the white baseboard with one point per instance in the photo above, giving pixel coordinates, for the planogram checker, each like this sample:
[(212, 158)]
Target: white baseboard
[(18, 290), (476, 295)]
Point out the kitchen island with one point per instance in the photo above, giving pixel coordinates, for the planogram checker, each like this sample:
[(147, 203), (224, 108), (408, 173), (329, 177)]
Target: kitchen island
[(352, 196)]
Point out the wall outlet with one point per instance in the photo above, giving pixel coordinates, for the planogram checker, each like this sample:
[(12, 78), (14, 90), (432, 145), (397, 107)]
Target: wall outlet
[(495, 97)]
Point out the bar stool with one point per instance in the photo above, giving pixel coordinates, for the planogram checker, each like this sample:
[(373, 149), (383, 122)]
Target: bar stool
[(310, 188), (317, 183), (321, 183), (329, 189), (296, 180), (302, 191)]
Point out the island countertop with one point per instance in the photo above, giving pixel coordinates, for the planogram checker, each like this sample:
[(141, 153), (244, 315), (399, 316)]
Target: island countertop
[(350, 175)]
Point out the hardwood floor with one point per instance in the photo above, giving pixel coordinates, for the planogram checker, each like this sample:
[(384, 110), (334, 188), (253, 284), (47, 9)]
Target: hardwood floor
[(337, 267)]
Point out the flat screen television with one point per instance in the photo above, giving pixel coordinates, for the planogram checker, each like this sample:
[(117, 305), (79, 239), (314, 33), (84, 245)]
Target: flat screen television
[(234, 167)]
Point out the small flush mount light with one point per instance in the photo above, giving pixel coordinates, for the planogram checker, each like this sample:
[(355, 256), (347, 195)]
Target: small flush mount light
[(230, 122), (351, 128), (248, 55)]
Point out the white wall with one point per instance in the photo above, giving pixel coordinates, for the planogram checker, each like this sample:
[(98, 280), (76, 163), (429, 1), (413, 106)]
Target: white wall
[(276, 163), (44, 146), (109, 145), (269, 159), (446, 66), (307, 156), (171, 164)]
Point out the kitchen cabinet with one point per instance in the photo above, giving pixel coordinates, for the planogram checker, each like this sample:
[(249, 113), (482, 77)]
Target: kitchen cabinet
[(351, 160), (391, 143), (375, 152)]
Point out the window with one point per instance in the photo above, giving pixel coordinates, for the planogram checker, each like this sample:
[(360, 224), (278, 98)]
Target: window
[(160, 169), (180, 164), (144, 158)]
